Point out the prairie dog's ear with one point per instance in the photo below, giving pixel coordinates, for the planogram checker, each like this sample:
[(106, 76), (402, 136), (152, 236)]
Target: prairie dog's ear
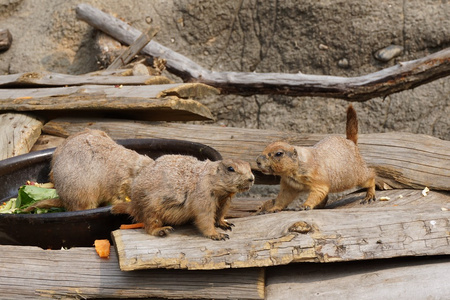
[(303, 154)]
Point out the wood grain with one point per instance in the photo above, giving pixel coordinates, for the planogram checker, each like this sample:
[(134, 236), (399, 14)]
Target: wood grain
[(30, 272), (135, 102), (411, 278), (402, 160), (18, 133), (266, 240)]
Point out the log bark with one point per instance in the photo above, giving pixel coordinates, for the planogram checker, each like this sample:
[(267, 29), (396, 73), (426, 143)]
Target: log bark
[(18, 133), (280, 239), (402, 160), (78, 273), (171, 102), (405, 75)]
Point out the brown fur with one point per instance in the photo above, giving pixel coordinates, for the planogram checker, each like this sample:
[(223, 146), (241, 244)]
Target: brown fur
[(179, 189), (89, 170), (332, 165)]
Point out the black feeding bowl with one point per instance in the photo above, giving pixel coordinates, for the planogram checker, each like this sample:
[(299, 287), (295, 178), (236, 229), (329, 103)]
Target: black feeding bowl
[(79, 228)]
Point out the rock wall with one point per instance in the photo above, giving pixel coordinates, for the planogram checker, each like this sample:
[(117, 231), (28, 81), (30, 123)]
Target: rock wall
[(325, 37)]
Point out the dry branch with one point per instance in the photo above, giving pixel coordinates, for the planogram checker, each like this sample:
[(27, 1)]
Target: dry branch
[(134, 49), (406, 75)]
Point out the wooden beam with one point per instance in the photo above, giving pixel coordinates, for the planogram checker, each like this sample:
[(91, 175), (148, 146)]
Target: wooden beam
[(276, 239), (411, 278), (45, 79), (242, 206), (402, 160), (406, 75), (30, 272), (132, 102), (18, 133), (134, 49)]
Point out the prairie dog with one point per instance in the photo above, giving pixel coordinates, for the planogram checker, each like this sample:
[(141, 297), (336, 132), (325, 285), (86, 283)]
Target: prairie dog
[(89, 170), (178, 189), (332, 165)]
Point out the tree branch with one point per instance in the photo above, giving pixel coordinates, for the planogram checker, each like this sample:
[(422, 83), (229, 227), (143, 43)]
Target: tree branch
[(406, 75)]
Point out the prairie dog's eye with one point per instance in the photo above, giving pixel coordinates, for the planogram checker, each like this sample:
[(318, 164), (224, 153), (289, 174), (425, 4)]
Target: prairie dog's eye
[(230, 169), (278, 154)]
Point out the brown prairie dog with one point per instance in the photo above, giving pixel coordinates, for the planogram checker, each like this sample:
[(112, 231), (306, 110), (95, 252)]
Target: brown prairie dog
[(179, 189), (89, 170), (333, 165)]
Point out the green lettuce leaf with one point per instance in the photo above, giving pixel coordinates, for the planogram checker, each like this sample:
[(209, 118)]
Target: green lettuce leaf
[(27, 196)]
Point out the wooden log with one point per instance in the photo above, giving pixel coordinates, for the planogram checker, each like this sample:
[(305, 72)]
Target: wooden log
[(78, 273), (44, 79), (132, 102), (280, 239), (412, 278), (406, 75), (402, 160), (46, 141), (134, 49), (18, 133), (5, 39)]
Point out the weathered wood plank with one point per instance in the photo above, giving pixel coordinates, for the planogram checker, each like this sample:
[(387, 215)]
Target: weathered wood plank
[(5, 39), (394, 198), (18, 133), (29, 272), (402, 160), (244, 206), (44, 79), (141, 102), (266, 240), (406, 75), (415, 278), (46, 141)]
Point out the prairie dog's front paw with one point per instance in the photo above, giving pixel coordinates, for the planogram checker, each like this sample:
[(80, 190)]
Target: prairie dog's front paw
[(219, 237), (225, 225)]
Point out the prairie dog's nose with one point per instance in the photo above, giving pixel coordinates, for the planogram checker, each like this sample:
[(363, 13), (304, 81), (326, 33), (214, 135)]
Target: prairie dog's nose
[(252, 179), (259, 160)]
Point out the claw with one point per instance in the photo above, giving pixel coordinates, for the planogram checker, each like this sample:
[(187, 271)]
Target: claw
[(220, 237)]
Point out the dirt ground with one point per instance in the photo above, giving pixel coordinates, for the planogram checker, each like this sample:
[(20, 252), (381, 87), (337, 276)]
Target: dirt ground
[(313, 37)]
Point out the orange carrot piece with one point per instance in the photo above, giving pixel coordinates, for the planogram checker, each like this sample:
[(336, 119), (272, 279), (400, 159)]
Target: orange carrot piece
[(102, 247), (132, 226)]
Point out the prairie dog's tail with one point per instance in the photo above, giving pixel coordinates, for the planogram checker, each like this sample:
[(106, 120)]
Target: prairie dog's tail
[(48, 203), (352, 125)]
